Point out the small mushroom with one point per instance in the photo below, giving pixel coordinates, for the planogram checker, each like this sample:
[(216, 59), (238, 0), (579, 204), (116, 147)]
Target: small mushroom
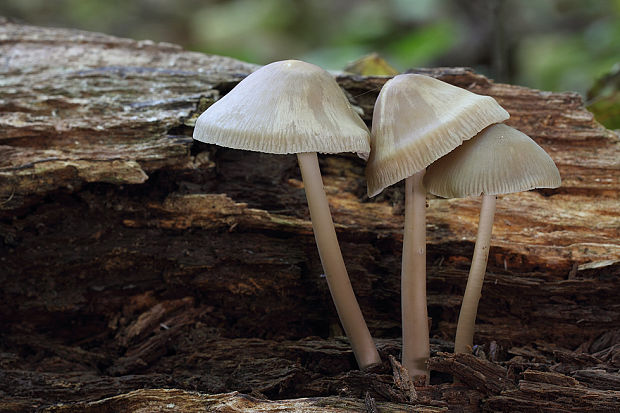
[(417, 120), (295, 107), (499, 160)]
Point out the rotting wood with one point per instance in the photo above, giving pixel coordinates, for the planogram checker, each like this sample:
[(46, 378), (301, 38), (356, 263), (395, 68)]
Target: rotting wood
[(150, 400), (482, 375), (545, 397), (132, 257)]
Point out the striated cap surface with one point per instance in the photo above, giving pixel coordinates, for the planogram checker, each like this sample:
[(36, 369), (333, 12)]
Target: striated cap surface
[(499, 160), (418, 119), (285, 107)]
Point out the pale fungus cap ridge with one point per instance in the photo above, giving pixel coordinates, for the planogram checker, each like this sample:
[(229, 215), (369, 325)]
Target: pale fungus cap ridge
[(418, 119), (285, 107), (499, 160)]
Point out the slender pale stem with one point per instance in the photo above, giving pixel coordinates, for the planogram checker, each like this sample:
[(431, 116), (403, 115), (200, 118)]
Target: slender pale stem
[(464, 340), (416, 347), (337, 278)]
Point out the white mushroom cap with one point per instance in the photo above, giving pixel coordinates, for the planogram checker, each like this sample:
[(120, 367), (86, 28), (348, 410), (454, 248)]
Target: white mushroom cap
[(417, 120), (285, 107), (499, 160)]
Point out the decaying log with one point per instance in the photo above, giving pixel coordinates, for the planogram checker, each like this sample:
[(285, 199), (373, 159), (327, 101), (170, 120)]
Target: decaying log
[(132, 257), (177, 400)]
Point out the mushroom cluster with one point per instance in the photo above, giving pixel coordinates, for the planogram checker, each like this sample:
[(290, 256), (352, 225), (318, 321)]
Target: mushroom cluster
[(417, 120), (431, 134)]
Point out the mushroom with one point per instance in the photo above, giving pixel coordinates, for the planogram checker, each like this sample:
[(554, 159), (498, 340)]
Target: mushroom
[(295, 107), (499, 160), (418, 119)]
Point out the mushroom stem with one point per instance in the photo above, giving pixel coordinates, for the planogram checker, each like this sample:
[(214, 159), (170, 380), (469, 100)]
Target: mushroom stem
[(464, 340), (336, 273), (416, 346)]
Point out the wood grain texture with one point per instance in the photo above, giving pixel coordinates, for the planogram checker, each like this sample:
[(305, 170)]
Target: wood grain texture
[(126, 249), (178, 400)]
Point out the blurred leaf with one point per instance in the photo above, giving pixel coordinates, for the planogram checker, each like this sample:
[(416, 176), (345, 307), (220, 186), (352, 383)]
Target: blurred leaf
[(371, 65), (604, 99)]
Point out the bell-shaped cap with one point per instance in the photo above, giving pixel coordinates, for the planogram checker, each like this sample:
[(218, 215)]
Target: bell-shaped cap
[(285, 107), (417, 120), (499, 160)]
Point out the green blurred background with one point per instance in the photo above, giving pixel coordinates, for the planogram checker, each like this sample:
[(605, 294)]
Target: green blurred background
[(555, 45)]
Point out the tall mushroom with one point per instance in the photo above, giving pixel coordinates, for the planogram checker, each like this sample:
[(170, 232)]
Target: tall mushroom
[(499, 160), (295, 107), (417, 120)]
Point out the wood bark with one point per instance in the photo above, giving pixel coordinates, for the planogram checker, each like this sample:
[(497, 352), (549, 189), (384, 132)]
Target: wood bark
[(132, 257)]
